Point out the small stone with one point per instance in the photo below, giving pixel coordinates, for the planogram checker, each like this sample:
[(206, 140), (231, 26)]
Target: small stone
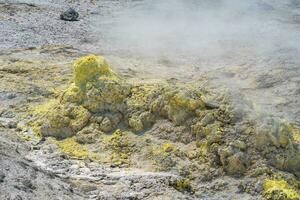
[(21, 126), (97, 119), (28, 184), (208, 119), (8, 114), (258, 187), (241, 187), (86, 138), (18, 197), (69, 15), (106, 125), (212, 104), (136, 124), (36, 148), (239, 144), (214, 138), (11, 95), (74, 167), (2, 177), (236, 165), (85, 170), (7, 122), (87, 187)]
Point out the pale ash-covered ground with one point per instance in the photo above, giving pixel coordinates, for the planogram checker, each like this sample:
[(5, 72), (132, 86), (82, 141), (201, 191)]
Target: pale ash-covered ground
[(270, 82)]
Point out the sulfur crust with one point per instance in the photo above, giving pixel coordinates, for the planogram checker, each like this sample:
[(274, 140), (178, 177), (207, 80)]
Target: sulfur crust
[(280, 189), (89, 68), (100, 101), (70, 147)]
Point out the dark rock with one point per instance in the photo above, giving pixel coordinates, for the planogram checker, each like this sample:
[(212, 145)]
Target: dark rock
[(69, 15), (11, 95), (28, 184), (241, 187), (267, 80), (212, 105), (17, 197), (2, 177)]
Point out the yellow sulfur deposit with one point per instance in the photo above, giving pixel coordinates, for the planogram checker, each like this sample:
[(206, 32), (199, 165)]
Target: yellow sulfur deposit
[(90, 68), (73, 95), (112, 116), (280, 189), (70, 147), (119, 144), (168, 147)]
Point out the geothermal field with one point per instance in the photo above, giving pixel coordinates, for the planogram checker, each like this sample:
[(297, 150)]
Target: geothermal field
[(149, 99)]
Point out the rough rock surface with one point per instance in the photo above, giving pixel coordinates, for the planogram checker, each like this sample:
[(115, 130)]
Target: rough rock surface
[(219, 140), (257, 157), (173, 150), (22, 179)]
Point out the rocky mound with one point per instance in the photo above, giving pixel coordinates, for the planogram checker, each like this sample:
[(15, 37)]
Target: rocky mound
[(185, 129)]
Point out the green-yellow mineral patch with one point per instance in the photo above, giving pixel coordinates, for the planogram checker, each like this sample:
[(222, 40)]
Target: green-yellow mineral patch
[(183, 185), (168, 147), (73, 94), (44, 108), (121, 147), (71, 148), (280, 189), (79, 118), (163, 156), (140, 95), (136, 123), (295, 132)]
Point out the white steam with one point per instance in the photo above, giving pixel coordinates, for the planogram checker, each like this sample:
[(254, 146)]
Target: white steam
[(204, 29)]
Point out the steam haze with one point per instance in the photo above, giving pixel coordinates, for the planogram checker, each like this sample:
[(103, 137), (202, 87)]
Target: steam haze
[(251, 46), (204, 29)]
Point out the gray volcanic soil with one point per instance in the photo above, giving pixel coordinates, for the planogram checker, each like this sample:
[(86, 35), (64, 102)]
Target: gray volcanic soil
[(270, 80)]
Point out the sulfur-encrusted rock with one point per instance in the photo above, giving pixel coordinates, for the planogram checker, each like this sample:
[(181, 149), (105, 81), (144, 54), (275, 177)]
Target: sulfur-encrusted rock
[(90, 68), (95, 88), (286, 155), (139, 122), (275, 133), (239, 144), (64, 121), (106, 125), (73, 95), (113, 117), (181, 104), (292, 163), (79, 118), (163, 157), (279, 189), (88, 135), (207, 119), (136, 123), (121, 146), (236, 164)]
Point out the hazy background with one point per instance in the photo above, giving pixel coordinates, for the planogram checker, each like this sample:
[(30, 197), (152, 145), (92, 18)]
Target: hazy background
[(249, 46), (204, 29)]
